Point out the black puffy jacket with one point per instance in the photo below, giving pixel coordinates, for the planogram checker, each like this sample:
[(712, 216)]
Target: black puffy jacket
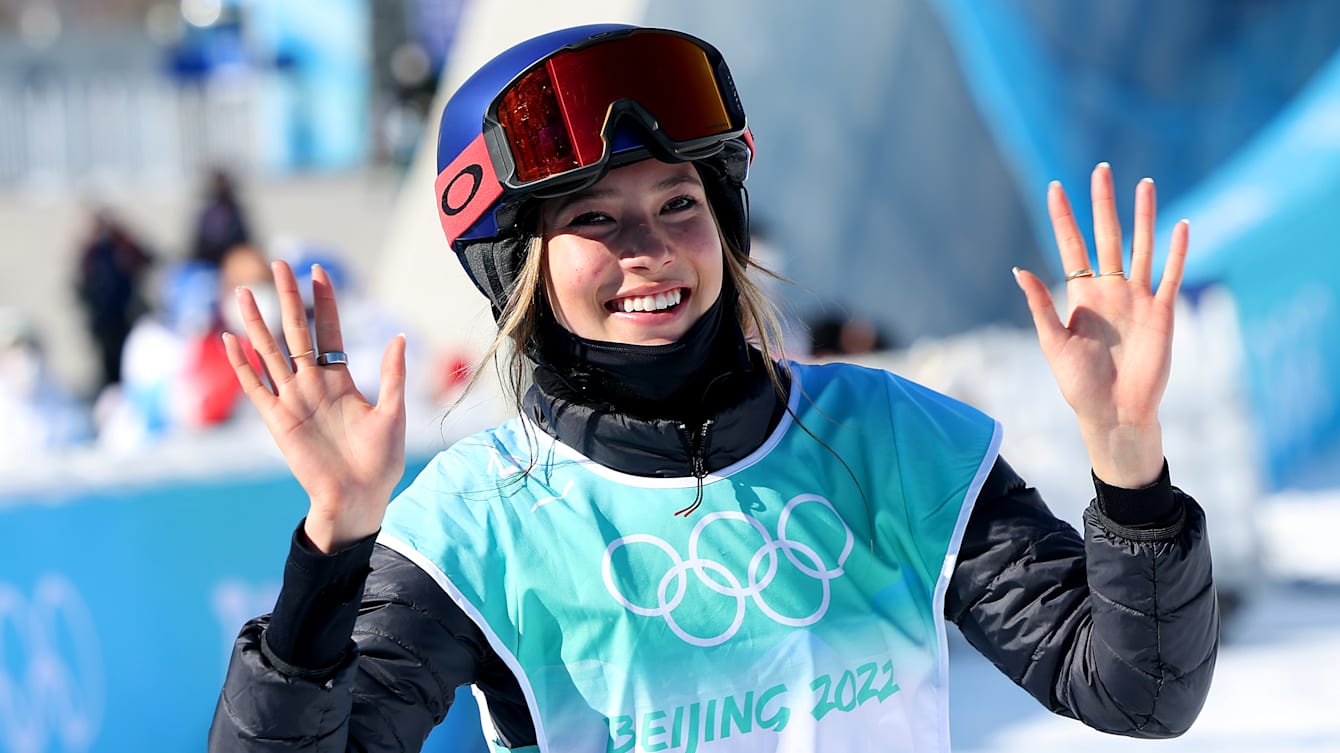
[(1119, 628)]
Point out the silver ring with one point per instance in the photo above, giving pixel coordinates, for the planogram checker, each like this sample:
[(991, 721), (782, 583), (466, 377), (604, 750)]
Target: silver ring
[(332, 358), (1086, 272)]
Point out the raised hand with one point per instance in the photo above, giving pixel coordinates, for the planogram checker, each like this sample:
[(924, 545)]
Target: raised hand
[(1112, 354), (347, 454)]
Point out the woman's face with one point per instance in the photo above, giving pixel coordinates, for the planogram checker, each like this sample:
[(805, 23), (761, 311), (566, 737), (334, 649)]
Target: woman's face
[(634, 259)]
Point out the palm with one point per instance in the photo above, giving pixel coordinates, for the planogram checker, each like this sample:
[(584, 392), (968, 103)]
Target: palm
[(347, 453), (323, 423), (1113, 364), (1112, 355)]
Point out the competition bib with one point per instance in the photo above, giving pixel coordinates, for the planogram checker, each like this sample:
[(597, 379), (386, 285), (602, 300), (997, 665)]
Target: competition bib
[(799, 608)]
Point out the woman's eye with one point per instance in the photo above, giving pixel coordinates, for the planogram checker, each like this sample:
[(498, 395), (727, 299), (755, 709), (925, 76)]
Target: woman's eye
[(590, 218), (680, 203)]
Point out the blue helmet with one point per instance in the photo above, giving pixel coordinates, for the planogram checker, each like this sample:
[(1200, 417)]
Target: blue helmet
[(553, 114)]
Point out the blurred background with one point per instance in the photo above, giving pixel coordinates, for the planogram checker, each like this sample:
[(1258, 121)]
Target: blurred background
[(155, 154)]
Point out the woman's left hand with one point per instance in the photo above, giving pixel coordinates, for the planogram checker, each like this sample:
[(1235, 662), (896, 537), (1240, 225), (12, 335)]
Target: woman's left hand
[(1112, 354)]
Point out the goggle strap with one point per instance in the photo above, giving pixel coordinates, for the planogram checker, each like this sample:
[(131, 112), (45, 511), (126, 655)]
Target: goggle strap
[(466, 189)]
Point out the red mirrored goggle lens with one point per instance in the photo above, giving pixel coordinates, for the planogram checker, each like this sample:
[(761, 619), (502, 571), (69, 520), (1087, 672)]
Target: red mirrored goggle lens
[(554, 115)]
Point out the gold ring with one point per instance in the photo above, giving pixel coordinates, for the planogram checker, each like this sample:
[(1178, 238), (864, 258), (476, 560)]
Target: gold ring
[(304, 353), (1086, 272), (1118, 273)]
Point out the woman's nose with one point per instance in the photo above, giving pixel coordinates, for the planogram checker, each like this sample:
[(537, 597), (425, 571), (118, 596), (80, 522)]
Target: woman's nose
[(647, 245)]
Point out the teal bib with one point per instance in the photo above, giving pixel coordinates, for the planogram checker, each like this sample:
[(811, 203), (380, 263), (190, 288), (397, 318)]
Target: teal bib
[(800, 608)]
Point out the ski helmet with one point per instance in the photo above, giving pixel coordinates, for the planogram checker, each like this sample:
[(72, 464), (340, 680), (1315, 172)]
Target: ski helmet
[(553, 114)]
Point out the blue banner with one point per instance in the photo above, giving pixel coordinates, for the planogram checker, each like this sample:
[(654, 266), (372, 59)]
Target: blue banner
[(119, 604)]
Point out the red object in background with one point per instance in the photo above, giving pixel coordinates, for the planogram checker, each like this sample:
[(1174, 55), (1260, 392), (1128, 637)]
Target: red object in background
[(212, 388)]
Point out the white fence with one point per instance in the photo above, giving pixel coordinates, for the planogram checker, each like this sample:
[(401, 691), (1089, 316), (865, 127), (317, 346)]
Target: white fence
[(123, 131)]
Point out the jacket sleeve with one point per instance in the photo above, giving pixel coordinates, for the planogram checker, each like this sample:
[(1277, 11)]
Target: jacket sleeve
[(1119, 628), (404, 650)]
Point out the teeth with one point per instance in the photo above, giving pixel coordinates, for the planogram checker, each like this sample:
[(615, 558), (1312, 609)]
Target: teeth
[(658, 302)]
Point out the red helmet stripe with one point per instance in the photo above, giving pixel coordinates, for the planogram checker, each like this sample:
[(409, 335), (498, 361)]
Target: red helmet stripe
[(466, 189)]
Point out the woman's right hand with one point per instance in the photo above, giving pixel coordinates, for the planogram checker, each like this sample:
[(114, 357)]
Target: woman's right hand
[(347, 454)]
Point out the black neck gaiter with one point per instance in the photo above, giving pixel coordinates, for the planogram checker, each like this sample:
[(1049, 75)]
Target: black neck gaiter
[(649, 381)]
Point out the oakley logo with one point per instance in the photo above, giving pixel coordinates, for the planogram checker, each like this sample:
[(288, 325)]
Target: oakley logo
[(51, 672), (476, 173), (760, 572)]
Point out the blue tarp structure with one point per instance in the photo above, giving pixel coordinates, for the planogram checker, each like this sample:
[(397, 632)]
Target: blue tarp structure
[(1265, 226), (1234, 108)]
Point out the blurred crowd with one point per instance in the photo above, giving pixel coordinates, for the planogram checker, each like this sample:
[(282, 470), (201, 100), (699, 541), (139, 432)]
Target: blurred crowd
[(154, 317)]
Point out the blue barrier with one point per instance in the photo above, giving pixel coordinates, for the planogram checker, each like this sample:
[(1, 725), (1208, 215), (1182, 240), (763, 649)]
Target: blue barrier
[(119, 602)]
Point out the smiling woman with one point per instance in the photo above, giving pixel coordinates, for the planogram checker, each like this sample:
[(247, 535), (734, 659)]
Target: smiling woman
[(616, 257), (683, 538)]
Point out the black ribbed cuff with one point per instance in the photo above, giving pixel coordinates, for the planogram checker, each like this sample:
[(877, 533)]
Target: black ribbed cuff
[(314, 616), (1150, 507)]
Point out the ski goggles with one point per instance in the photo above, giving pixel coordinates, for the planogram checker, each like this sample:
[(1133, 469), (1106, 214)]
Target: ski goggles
[(554, 128)]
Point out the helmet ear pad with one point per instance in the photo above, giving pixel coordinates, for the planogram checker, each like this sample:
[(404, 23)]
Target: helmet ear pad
[(729, 202), (494, 264)]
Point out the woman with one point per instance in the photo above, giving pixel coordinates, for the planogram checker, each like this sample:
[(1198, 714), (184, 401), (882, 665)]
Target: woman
[(682, 543)]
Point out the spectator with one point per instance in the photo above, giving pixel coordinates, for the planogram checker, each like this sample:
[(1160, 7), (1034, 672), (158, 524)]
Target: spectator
[(222, 224), (844, 335), (112, 265), (177, 373), (37, 413)]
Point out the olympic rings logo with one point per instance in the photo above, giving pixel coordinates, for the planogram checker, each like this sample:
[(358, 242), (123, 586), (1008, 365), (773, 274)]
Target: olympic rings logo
[(760, 573), (57, 690)]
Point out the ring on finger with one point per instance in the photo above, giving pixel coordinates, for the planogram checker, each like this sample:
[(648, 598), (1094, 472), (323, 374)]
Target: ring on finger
[(1114, 273), (1086, 272), (332, 358)]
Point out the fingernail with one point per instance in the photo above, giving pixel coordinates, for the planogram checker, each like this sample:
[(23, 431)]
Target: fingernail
[(1146, 180), (1104, 164), (1054, 184)]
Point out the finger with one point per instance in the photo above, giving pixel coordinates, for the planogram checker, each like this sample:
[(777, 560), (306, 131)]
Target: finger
[(1051, 333), (1173, 268), (1069, 241), (1142, 242), (293, 315), (273, 360), (1106, 226), (251, 383), (325, 313), (392, 392)]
